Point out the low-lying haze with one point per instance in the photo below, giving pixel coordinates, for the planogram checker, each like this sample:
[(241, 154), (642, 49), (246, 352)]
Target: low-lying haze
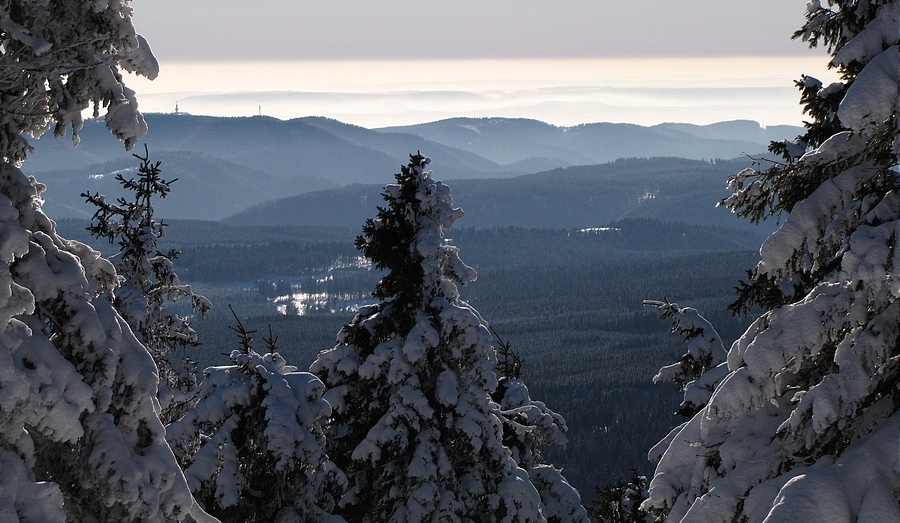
[(377, 93)]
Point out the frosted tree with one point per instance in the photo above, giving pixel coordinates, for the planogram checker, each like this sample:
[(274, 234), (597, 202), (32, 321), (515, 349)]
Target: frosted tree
[(253, 445), (414, 426), (79, 423), (529, 426), (805, 424), (150, 282), (80, 435)]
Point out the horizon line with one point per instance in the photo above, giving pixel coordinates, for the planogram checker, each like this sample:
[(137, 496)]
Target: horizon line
[(311, 116)]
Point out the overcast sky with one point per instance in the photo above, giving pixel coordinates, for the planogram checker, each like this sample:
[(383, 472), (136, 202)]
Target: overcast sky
[(302, 29), (210, 47)]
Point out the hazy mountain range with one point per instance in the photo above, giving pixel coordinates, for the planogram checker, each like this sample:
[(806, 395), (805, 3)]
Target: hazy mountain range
[(226, 165)]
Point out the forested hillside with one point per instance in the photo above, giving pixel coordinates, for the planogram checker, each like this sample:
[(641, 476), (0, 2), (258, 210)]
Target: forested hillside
[(665, 189)]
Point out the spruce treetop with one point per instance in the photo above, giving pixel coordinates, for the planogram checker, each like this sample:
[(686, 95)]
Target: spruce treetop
[(406, 239)]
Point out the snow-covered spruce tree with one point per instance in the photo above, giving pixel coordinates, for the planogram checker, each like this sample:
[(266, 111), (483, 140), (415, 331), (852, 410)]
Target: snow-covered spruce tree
[(79, 423), (150, 282), (528, 426), (410, 379), (80, 436), (805, 425), (253, 445)]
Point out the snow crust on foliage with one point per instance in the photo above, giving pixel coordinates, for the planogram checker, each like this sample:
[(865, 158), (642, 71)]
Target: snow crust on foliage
[(526, 417), (83, 388), (825, 491), (24, 500), (878, 35), (760, 397), (140, 60), (61, 58), (529, 425), (875, 95), (822, 222), (702, 366)]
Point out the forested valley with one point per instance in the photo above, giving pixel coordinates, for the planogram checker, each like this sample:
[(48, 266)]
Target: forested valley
[(569, 301)]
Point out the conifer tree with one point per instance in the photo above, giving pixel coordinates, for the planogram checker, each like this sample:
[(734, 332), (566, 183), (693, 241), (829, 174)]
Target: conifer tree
[(804, 426), (61, 57), (253, 445), (80, 435), (149, 282), (410, 379)]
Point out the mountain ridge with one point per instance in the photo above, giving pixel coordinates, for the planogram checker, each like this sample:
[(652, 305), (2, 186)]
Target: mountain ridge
[(245, 161)]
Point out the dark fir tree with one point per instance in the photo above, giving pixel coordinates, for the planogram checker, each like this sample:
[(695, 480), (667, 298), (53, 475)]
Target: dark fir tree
[(410, 379), (149, 282), (804, 425), (252, 447)]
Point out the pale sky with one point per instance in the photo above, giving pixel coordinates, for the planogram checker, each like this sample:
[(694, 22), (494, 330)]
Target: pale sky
[(401, 61)]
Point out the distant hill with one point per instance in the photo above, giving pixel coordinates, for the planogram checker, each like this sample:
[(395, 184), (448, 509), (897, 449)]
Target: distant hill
[(207, 187), (511, 140), (665, 189), (318, 147)]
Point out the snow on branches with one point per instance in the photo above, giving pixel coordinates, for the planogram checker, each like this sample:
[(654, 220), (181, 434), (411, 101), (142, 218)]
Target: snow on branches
[(702, 366), (253, 445), (528, 425), (80, 438), (149, 281), (811, 392), (80, 430), (62, 56)]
